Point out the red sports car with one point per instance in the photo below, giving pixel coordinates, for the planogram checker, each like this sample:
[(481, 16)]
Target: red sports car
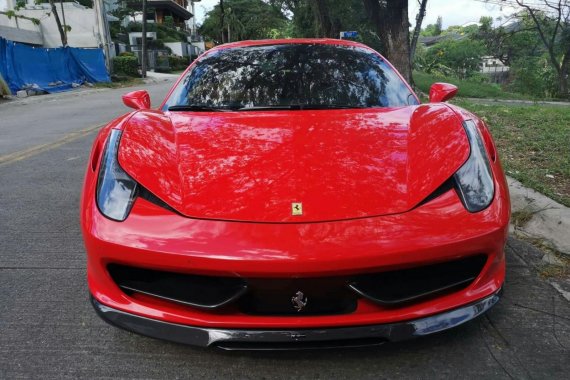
[(294, 193)]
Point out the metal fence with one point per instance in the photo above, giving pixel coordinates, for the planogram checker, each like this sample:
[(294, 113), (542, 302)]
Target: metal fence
[(156, 59)]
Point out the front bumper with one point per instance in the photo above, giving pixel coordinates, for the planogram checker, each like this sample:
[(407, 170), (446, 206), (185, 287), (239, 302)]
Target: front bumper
[(247, 339)]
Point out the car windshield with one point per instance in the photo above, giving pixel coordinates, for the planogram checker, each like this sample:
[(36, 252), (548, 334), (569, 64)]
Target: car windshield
[(290, 76)]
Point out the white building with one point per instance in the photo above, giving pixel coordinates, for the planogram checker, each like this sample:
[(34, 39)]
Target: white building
[(493, 65), (87, 28)]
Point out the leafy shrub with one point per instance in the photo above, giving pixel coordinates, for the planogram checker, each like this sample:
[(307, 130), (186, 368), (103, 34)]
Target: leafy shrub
[(127, 54), (178, 63), (127, 65), (462, 56), (4, 89), (163, 32), (169, 21), (533, 76), (470, 88)]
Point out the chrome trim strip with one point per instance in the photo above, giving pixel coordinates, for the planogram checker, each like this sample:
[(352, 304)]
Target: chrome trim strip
[(201, 336)]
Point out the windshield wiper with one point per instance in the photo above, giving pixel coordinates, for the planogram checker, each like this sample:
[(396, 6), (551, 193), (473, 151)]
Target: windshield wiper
[(198, 108), (262, 108), (300, 107), (328, 106)]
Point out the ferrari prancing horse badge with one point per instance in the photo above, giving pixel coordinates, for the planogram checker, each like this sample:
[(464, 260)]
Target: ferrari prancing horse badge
[(296, 208)]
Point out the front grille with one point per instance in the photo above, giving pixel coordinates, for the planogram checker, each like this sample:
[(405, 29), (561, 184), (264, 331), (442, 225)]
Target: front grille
[(200, 291), (301, 296), (413, 284)]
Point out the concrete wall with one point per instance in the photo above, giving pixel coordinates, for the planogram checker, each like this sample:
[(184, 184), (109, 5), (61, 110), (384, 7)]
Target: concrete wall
[(20, 30), (178, 48), (84, 29), (199, 47)]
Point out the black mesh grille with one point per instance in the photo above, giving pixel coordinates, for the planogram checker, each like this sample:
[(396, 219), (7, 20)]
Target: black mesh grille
[(193, 290), (301, 296), (408, 285)]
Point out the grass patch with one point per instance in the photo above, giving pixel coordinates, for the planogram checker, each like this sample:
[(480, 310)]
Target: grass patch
[(4, 88), (521, 217), (120, 83), (467, 89), (533, 143)]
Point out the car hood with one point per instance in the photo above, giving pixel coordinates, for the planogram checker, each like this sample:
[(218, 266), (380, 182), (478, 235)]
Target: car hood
[(252, 166)]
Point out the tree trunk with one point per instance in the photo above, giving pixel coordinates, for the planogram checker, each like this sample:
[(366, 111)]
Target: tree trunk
[(222, 15), (62, 33), (143, 40), (323, 19), (63, 16), (390, 17), (563, 75), (417, 29)]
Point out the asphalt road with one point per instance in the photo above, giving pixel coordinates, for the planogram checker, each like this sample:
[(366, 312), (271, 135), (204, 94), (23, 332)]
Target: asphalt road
[(33, 121), (49, 330)]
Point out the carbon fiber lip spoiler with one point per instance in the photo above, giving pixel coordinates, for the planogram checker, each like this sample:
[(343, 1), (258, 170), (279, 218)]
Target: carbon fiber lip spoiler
[(242, 339)]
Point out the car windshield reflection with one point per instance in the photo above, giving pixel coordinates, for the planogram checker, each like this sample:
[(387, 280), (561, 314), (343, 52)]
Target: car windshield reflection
[(290, 77)]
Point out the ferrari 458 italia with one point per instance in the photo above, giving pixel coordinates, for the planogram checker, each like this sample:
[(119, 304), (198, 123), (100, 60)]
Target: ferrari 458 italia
[(291, 194)]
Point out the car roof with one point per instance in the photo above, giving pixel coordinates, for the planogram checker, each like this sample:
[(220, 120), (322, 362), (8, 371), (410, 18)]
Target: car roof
[(320, 41)]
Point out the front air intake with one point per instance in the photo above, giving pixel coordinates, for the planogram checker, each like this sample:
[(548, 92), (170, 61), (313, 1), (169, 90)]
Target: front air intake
[(398, 287), (199, 291)]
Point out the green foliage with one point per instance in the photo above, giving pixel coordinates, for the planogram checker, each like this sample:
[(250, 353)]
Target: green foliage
[(4, 89), (177, 63), (286, 32), (343, 15), (462, 30), (432, 30), (430, 64), (163, 32), (247, 19), (471, 88), (510, 46), (9, 14), (169, 21), (12, 13), (461, 56), (532, 141), (126, 65), (534, 76)]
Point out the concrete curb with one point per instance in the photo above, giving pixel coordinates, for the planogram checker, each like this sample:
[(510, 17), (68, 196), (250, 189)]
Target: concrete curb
[(152, 77), (547, 219)]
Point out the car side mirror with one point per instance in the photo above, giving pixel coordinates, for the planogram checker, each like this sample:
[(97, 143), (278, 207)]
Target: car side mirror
[(139, 100), (440, 92)]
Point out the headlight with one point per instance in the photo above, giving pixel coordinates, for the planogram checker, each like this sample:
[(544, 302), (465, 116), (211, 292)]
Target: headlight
[(116, 190), (474, 178)]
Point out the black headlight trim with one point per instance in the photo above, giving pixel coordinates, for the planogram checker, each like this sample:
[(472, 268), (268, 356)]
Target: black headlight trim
[(113, 182), (474, 180)]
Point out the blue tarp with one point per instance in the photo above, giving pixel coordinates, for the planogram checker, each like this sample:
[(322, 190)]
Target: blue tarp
[(50, 70)]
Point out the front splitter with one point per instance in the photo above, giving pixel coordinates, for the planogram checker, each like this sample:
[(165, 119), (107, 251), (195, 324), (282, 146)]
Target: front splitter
[(243, 339)]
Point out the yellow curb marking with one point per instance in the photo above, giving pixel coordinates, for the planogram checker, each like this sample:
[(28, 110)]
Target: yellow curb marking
[(35, 150)]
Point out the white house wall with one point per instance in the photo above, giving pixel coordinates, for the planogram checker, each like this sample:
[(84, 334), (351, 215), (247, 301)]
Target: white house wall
[(20, 30), (84, 28)]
